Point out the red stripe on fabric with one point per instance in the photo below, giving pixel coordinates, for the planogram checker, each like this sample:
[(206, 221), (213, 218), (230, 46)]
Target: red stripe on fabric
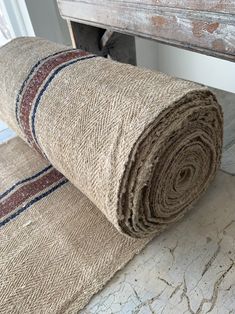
[(34, 85), (28, 190)]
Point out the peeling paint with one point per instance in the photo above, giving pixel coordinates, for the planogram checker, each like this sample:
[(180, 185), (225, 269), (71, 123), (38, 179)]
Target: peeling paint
[(197, 24), (212, 27), (218, 44), (199, 28), (159, 21)]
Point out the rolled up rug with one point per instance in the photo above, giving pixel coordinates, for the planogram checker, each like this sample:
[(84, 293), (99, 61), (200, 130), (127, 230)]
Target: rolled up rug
[(141, 146)]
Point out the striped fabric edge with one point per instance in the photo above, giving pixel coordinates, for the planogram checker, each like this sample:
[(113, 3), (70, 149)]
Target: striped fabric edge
[(31, 72), (21, 182), (43, 90), (36, 84), (26, 192)]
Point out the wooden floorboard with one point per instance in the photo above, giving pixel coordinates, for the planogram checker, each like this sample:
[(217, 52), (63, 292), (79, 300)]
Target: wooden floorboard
[(227, 101), (228, 160)]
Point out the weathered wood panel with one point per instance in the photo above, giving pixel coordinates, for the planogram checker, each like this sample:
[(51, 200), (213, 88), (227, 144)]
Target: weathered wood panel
[(226, 6), (207, 32)]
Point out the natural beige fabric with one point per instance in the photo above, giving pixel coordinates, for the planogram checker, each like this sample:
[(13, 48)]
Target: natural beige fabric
[(59, 252), (141, 145), (138, 146)]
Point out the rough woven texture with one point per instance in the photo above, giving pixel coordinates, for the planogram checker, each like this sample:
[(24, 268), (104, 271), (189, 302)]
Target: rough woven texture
[(59, 249), (141, 146)]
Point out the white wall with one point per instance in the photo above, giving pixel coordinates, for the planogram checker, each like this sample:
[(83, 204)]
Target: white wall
[(188, 65), (47, 22)]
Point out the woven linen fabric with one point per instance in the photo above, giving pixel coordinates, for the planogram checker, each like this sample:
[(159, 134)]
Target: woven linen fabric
[(141, 145), (119, 154), (57, 249)]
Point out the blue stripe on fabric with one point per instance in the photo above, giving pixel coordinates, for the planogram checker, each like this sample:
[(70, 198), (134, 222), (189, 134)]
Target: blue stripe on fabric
[(47, 84), (29, 204), (25, 180), (30, 73)]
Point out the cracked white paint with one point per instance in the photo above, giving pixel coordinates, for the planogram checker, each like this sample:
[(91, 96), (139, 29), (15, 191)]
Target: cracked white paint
[(187, 269)]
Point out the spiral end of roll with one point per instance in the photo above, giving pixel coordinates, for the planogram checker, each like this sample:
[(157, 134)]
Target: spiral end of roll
[(171, 165)]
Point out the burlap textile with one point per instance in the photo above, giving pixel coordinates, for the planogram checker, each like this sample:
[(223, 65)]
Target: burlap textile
[(139, 148)]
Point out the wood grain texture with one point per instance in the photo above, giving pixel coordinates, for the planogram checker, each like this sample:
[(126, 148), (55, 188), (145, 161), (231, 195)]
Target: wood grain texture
[(226, 6), (72, 33), (204, 26)]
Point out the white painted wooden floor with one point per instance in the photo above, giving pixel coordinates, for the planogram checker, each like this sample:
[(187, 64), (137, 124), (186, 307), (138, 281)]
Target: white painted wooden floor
[(227, 100)]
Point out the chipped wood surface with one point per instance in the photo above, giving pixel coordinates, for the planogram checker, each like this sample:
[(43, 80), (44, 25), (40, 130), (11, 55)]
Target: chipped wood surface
[(226, 6), (204, 26)]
